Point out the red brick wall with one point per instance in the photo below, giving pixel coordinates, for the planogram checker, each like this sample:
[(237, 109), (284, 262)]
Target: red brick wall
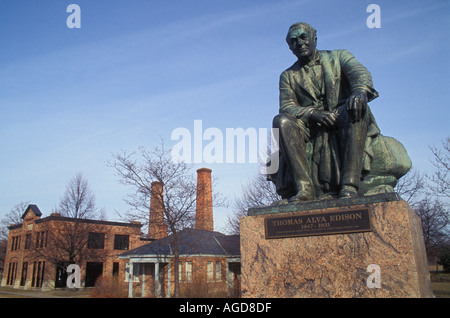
[(204, 210), (55, 229)]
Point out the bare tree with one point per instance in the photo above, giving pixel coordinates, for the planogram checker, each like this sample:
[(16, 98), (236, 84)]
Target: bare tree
[(412, 187), (257, 192), (435, 220), (139, 170), (427, 196), (68, 241), (14, 216), (78, 201), (440, 180)]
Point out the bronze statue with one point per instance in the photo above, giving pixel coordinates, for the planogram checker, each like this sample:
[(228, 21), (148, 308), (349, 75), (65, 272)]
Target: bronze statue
[(328, 137)]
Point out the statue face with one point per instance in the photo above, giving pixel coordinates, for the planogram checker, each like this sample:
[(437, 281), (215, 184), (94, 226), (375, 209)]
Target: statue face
[(302, 43)]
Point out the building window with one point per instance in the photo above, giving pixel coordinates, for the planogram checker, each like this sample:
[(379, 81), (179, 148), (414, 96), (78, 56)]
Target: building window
[(12, 271), (15, 243), (189, 271), (218, 271), (44, 239), (210, 272), (41, 239), (96, 241), (23, 278), (115, 269), (38, 274), (180, 271), (28, 241), (121, 242)]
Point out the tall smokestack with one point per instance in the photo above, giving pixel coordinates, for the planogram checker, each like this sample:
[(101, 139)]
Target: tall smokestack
[(204, 209), (156, 227)]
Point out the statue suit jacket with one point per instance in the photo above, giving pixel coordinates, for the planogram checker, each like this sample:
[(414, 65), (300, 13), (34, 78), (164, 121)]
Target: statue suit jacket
[(342, 74)]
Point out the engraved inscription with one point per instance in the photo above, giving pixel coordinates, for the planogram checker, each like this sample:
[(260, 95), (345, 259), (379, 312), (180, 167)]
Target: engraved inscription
[(345, 221)]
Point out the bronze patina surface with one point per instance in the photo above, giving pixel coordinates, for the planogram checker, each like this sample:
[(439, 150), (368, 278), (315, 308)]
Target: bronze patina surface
[(329, 142)]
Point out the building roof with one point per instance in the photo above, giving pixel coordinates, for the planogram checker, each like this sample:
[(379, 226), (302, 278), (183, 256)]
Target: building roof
[(191, 242), (58, 217), (34, 209)]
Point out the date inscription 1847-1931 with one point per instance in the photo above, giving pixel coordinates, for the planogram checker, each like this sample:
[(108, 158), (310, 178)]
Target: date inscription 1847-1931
[(318, 224)]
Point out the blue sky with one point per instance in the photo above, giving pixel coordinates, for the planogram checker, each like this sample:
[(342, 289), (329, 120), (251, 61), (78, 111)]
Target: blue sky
[(137, 70)]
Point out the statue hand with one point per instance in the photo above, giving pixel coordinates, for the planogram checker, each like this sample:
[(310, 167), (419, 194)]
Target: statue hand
[(357, 105), (323, 117)]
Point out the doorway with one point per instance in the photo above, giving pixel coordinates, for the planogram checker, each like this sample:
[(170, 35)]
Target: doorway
[(93, 271), (61, 276)]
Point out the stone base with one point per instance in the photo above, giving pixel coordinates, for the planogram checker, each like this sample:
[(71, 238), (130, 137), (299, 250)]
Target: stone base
[(337, 265)]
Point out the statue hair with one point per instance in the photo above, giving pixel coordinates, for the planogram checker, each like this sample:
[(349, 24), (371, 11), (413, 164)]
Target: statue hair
[(298, 25)]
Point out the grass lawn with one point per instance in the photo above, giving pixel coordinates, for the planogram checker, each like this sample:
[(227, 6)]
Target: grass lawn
[(440, 282), (441, 290), (8, 292)]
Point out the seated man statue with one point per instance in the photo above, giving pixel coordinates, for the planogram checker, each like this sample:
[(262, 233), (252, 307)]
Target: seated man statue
[(326, 128)]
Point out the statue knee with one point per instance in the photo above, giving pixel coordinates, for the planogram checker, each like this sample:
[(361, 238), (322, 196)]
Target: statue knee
[(282, 120)]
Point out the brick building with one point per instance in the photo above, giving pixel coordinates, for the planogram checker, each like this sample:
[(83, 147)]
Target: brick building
[(37, 253), (38, 248), (209, 260)]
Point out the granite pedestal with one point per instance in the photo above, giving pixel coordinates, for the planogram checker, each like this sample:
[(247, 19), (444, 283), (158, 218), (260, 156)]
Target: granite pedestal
[(387, 259)]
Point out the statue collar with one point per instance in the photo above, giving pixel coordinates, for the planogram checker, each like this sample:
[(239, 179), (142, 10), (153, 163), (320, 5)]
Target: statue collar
[(314, 61)]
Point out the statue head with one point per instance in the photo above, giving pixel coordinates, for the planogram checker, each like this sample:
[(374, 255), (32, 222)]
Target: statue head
[(302, 40)]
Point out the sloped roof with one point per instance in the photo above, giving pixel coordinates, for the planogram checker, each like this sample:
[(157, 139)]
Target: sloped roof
[(34, 209), (191, 242)]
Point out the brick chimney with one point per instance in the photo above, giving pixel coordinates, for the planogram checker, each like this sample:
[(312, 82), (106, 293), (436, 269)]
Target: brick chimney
[(156, 227), (204, 209)]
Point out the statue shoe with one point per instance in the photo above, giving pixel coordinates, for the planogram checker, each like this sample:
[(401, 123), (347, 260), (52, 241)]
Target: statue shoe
[(348, 191), (301, 196)]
